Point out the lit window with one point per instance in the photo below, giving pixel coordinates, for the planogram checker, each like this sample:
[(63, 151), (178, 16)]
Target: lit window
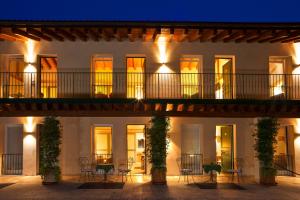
[(16, 77), (189, 77), (48, 77), (223, 78), (103, 77), (103, 137), (135, 77), (276, 70)]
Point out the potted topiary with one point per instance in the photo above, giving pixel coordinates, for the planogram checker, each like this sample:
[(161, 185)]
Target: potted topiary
[(265, 140), (157, 148), (50, 140), (210, 169)]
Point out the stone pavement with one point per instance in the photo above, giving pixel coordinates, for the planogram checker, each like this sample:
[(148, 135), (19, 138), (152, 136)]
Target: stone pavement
[(25, 187)]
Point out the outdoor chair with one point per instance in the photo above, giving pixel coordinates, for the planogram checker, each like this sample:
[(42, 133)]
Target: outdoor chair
[(184, 171), (237, 169), (125, 168), (87, 171)]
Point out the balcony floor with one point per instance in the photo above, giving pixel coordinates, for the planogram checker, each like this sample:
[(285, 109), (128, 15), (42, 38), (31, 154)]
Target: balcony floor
[(288, 188)]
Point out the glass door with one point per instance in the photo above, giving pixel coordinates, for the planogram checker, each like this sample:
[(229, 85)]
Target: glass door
[(224, 79), (225, 146), (48, 78), (135, 77), (136, 148), (103, 144)]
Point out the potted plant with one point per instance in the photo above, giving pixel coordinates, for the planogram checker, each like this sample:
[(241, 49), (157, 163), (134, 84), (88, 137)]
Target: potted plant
[(157, 145), (50, 140), (210, 169), (265, 141)]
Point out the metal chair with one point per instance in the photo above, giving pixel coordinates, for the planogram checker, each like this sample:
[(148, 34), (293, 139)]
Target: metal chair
[(184, 171), (237, 169), (125, 168), (86, 169)]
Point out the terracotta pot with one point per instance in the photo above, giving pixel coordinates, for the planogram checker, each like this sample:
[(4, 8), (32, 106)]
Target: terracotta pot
[(49, 178), (159, 176), (267, 176)]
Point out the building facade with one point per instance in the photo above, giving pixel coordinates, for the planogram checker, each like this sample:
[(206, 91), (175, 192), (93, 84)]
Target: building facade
[(104, 81)]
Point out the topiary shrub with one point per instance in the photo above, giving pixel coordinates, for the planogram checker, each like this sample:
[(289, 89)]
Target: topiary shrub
[(265, 141), (50, 140), (157, 146)]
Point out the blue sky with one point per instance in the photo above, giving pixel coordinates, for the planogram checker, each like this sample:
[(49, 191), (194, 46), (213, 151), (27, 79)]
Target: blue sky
[(154, 10)]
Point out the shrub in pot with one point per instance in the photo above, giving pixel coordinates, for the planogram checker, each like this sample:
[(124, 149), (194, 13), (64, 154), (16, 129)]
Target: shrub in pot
[(157, 145), (265, 141), (210, 169), (50, 140)]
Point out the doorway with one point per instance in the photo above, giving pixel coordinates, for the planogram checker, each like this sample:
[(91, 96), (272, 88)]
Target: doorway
[(225, 146), (12, 159), (48, 77), (136, 147), (224, 81)]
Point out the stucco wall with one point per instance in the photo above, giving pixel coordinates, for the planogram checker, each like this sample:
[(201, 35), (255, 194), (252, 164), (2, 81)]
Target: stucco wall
[(249, 57)]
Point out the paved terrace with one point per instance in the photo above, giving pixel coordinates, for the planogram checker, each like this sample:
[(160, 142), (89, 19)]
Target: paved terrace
[(31, 188)]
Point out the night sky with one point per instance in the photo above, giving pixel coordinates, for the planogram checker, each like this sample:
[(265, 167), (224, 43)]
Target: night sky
[(153, 10)]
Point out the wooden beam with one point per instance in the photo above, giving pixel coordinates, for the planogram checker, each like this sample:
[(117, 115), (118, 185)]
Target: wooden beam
[(45, 62), (25, 34), (135, 33), (94, 33), (221, 35), (261, 35), (66, 34), (193, 34), (150, 34), (38, 33), (277, 35), (291, 37), (52, 33), (108, 33), (122, 33), (207, 35), (179, 34), (249, 34), (234, 35), (82, 36)]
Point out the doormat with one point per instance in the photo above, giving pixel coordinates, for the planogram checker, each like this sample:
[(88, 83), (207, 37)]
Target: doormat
[(102, 185), (3, 185), (229, 186)]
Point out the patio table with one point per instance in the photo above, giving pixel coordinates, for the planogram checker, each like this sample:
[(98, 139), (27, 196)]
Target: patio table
[(106, 167)]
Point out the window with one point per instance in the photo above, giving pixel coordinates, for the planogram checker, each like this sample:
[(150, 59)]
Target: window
[(189, 67), (276, 79), (224, 78), (102, 76), (16, 77), (103, 144), (48, 67), (135, 77)]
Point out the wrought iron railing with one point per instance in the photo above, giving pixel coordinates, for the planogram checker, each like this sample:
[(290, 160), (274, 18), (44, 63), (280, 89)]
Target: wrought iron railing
[(11, 164), (149, 85), (193, 162), (103, 158), (284, 165)]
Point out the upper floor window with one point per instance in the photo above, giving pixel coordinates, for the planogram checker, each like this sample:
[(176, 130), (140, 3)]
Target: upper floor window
[(189, 77), (16, 67), (277, 68), (224, 80), (102, 79), (135, 67), (48, 68)]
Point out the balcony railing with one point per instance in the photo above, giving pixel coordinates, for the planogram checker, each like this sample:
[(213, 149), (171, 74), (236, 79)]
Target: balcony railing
[(149, 85)]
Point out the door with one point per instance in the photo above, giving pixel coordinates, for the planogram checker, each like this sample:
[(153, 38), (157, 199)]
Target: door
[(12, 159), (277, 78), (227, 77), (135, 77), (227, 147), (103, 144), (136, 147), (48, 77), (224, 83)]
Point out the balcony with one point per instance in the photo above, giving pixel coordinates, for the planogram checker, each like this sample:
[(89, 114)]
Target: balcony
[(121, 85)]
